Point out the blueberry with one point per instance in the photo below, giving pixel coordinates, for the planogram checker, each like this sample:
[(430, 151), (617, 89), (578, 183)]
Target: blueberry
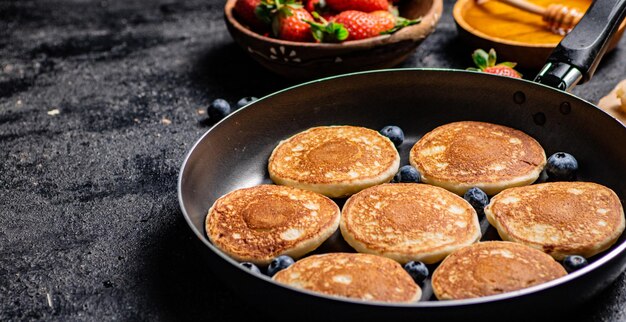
[(477, 198), (407, 173), (561, 166), (218, 109), (251, 267), (394, 134), (574, 263), (417, 270), (278, 264), (245, 101)]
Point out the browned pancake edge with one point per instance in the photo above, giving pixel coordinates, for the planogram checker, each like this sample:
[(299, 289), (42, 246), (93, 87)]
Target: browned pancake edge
[(352, 275), (259, 223), (490, 268)]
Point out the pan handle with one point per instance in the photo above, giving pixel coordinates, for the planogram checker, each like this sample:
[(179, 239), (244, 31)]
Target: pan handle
[(575, 59)]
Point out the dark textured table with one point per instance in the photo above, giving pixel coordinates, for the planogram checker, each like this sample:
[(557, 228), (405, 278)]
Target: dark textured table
[(99, 103)]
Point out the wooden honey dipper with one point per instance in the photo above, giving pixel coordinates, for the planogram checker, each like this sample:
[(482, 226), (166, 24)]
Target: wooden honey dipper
[(561, 19)]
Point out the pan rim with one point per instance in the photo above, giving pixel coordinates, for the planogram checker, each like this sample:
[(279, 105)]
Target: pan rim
[(620, 248)]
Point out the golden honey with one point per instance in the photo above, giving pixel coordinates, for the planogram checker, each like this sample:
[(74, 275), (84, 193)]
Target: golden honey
[(502, 21)]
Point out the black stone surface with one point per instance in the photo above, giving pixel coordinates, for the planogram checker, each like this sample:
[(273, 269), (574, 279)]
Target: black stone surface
[(90, 227)]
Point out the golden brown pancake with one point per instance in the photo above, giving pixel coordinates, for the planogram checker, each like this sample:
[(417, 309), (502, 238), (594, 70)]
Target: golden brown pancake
[(490, 268), (335, 161), (559, 218), (408, 222), (259, 223), (357, 276), (461, 155)]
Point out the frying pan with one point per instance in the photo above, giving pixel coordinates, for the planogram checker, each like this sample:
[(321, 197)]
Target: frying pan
[(233, 154)]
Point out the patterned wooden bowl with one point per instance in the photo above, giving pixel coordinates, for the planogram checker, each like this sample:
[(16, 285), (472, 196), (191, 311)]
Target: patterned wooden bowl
[(310, 60)]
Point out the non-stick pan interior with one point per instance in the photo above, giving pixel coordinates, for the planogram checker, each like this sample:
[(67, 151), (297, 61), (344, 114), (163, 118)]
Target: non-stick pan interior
[(234, 153)]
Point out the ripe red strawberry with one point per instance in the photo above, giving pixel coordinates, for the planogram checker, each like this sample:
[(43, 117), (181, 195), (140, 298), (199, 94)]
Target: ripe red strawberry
[(361, 25), (359, 5), (502, 70), (288, 19), (387, 18), (245, 10), (486, 62), (394, 21), (294, 26), (312, 5)]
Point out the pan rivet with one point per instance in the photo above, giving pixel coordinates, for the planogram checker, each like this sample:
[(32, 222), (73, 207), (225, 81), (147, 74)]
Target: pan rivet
[(539, 118), (565, 108), (519, 98)]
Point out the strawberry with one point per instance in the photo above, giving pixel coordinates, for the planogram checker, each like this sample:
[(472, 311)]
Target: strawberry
[(245, 10), (294, 26), (396, 22), (314, 5), (386, 17), (503, 70), (363, 25), (288, 19), (358, 5), (486, 62)]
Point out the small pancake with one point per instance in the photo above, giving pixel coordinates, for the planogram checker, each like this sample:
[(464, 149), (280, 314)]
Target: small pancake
[(408, 222), (490, 268), (461, 155), (559, 218), (260, 223), (335, 161), (357, 276)]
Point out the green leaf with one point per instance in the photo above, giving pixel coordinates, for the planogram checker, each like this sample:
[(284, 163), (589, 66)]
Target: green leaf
[(317, 34), (340, 33), (328, 31), (491, 61), (403, 22), (264, 13), (285, 12), (480, 58), (317, 29)]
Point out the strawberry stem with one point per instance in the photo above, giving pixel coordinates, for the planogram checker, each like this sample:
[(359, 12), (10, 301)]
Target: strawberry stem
[(325, 31), (401, 23)]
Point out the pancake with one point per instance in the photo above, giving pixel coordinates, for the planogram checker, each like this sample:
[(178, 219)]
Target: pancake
[(408, 222), (559, 218), (260, 223), (357, 276), (461, 155), (335, 161), (490, 268)]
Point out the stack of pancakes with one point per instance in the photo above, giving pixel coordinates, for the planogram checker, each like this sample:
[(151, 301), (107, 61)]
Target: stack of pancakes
[(392, 224)]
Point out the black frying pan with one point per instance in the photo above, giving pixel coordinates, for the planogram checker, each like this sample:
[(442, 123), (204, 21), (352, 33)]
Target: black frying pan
[(233, 154)]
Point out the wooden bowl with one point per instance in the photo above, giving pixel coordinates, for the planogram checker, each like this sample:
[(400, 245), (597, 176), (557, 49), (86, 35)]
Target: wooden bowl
[(310, 60), (526, 54)]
